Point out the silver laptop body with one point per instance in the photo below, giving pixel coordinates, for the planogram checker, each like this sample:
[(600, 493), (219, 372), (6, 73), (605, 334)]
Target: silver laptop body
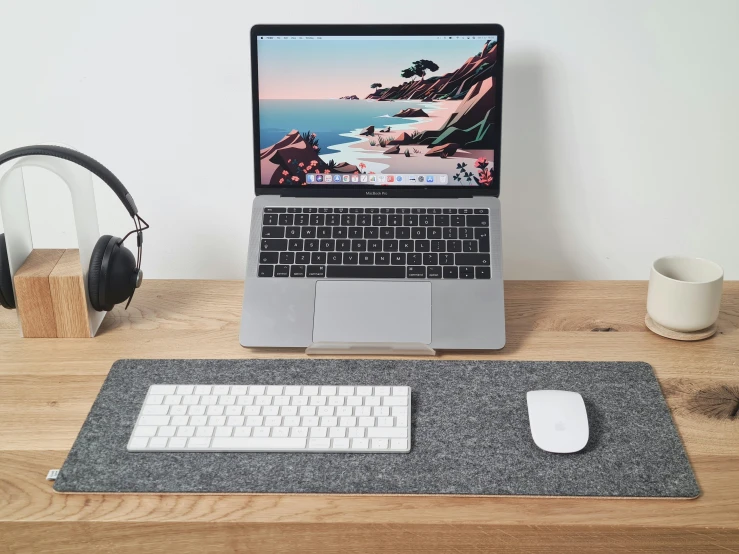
[(348, 286)]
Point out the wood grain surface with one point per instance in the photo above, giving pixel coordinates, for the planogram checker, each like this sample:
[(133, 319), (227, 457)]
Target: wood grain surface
[(67, 285), (48, 386), (33, 293)]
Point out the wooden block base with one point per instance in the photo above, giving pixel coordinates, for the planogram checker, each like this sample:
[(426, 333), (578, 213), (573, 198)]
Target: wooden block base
[(50, 295)]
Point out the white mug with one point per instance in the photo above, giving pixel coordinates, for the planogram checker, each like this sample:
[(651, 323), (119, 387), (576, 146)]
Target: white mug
[(684, 293)]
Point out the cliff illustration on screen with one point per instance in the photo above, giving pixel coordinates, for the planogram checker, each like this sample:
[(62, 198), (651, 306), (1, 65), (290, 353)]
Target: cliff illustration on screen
[(365, 110)]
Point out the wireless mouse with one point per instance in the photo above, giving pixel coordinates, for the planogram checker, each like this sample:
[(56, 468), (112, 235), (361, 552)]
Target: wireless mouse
[(559, 422)]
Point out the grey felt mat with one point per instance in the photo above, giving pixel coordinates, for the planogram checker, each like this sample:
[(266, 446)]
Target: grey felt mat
[(470, 433)]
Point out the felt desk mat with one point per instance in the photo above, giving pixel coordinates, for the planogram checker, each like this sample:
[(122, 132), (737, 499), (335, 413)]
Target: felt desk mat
[(470, 433)]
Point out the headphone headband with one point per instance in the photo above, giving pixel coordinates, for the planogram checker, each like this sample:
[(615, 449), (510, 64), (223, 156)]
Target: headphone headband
[(83, 161)]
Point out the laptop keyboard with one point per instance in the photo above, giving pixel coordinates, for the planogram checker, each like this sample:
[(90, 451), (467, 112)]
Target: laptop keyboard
[(375, 243)]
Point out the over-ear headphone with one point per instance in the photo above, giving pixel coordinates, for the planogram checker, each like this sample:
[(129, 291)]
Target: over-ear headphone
[(114, 273)]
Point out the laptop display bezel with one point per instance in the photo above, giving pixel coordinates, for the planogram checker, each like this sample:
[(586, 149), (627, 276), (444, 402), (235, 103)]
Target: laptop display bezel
[(363, 190)]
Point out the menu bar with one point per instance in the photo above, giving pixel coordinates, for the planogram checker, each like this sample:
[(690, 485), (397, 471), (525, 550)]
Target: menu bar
[(416, 38)]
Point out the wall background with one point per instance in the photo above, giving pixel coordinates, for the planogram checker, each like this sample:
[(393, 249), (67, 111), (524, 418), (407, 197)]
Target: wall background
[(620, 123)]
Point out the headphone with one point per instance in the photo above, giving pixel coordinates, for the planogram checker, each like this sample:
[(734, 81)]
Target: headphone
[(114, 273)]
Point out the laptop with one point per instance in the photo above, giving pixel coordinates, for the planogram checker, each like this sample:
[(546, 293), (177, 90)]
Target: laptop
[(377, 174)]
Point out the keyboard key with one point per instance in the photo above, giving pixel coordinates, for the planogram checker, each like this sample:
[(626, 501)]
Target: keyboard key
[(395, 220), (311, 245), (297, 271), (406, 246), (267, 444), (275, 210), (458, 220), (387, 210), (481, 210), (410, 220), (403, 233), (418, 233), (433, 210), (418, 210), (268, 257), (416, 272), (287, 258), (301, 219), (371, 232), (328, 245), (451, 272), (356, 210), (274, 245), (273, 232), (333, 219), (302, 257), (316, 271), (433, 272), (282, 271), (441, 220), (270, 219), (438, 245), (374, 245), (382, 258), (359, 245), (483, 239), (310, 210), (308, 232), (469, 245), (426, 220), (477, 220), (430, 259), (293, 210), (415, 259), (450, 210), (286, 219), (454, 245), (472, 259), (364, 220), (387, 233), (348, 220), (340, 232), (355, 233), (466, 272), (387, 432), (323, 232), (403, 210), (465, 210), (318, 258), (372, 210), (482, 273), (366, 272), (366, 258), (266, 270), (317, 220), (333, 258), (450, 233), (423, 246), (350, 258), (433, 233), (398, 258), (390, 245), (295, 245), (466, 233), (292, 232), (343, 245), (325, 210)]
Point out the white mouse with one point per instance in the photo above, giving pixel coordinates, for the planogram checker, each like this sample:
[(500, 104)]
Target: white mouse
[(559, 422)]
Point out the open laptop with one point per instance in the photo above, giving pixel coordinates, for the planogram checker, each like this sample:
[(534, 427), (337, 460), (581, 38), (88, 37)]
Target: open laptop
[(377, 161)]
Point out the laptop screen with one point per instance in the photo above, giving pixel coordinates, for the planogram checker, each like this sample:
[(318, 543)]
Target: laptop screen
[(363, 111)]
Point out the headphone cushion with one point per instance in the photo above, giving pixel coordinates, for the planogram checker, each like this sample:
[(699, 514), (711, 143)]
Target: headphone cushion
[(94, 275), (7, 299)]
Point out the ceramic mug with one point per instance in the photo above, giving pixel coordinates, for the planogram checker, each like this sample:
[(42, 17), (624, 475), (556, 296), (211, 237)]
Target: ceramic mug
[(684, 293)]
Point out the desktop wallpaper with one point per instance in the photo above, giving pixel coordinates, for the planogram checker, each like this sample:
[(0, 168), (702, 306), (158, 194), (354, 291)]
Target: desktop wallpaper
[(376, 110)]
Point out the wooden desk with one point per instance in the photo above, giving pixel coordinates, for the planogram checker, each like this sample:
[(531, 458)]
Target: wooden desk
[(48, 385)]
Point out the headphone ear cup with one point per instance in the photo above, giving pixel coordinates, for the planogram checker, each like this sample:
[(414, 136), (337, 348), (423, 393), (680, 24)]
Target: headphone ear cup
[(112, 276), (7, 298)]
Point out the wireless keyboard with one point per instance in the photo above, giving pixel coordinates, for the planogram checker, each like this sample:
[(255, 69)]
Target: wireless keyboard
[(375, 243), (273, 418)]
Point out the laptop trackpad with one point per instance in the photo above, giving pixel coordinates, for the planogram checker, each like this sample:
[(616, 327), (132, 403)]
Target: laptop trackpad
[(372, 311)]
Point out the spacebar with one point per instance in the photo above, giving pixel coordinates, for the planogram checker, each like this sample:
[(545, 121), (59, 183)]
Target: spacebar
[(256, 443), (366, 272)]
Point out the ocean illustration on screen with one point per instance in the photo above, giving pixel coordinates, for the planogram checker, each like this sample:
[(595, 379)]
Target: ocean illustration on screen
[(371, 116)]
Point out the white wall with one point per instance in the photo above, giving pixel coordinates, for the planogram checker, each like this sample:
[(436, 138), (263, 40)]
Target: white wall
[(620, 123)]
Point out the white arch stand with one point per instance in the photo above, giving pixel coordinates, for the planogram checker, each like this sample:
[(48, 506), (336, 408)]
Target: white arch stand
[(14, 209)]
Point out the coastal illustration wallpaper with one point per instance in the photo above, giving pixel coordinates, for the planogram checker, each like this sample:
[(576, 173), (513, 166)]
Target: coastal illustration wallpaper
[(376, 110)]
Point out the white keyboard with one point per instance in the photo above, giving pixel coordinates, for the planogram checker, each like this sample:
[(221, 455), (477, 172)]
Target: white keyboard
[(273, 418)]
